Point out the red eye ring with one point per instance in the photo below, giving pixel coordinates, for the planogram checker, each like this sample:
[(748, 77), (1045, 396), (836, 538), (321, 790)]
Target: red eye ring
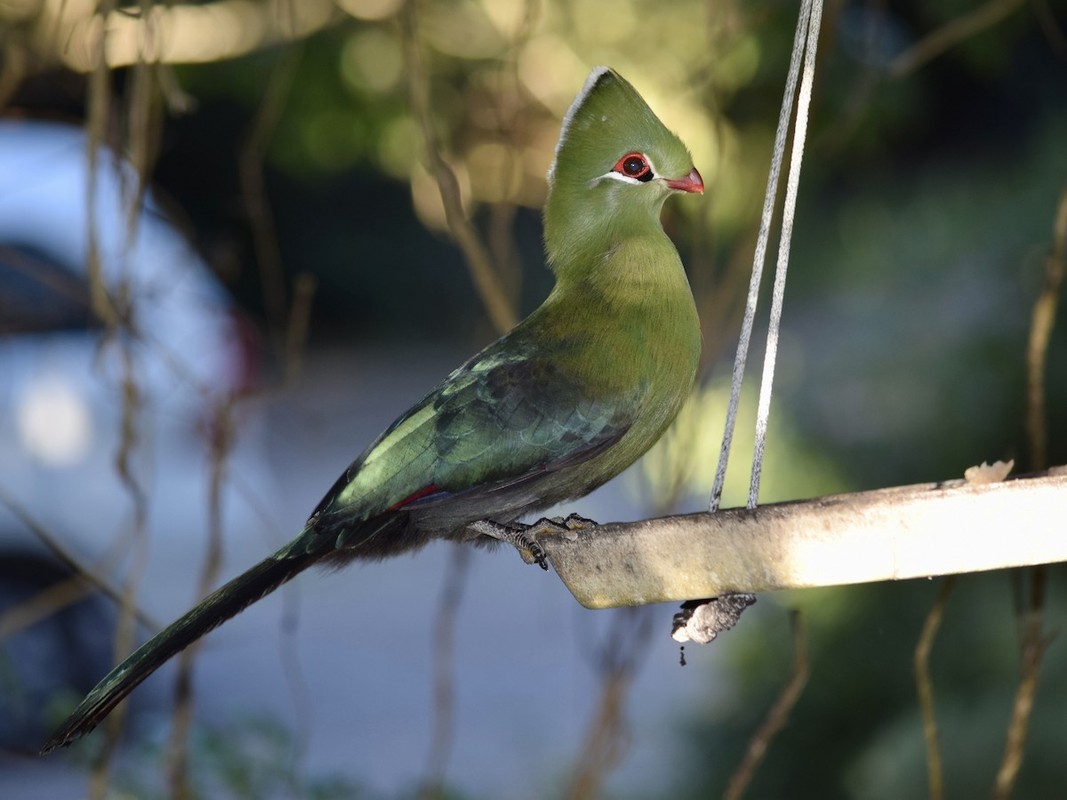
[(634, 165)]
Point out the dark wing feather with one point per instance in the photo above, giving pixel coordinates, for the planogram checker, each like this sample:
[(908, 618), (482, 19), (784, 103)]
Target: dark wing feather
[(504, 418)]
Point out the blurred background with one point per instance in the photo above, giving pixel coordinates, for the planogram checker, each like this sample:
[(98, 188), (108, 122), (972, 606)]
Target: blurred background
[(225, 267)]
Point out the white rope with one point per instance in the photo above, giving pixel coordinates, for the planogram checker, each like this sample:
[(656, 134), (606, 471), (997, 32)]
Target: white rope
[(759, 257), (800, 131)]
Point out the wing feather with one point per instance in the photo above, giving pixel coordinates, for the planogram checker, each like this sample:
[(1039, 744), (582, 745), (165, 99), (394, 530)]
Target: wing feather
[(506, 417)]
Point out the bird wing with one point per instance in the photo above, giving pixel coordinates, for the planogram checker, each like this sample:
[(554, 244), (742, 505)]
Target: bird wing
[(504, 418)]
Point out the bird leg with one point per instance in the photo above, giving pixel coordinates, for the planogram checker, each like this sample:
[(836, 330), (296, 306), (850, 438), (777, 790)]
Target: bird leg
[(524, 537)]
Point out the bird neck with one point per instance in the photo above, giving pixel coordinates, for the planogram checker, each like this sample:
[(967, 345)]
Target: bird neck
[(584, 226), (621, 290)]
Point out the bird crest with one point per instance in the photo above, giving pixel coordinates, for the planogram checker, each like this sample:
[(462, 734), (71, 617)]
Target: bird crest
[(608, 121)]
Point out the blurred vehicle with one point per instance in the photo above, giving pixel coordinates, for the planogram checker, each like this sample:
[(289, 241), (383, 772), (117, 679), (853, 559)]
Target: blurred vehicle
[(66, 382)]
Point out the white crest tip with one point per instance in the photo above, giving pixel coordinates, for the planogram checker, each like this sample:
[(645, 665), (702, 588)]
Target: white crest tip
[(587, 87)]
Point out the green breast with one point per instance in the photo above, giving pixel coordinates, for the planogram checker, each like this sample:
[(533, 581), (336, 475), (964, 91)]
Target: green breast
[(640, 336)]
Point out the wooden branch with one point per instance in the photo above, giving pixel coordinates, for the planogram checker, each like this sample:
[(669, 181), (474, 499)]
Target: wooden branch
[(888, 534)]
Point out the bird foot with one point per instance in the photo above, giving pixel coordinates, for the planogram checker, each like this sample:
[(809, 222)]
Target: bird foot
[(569, 526), (524, 537)]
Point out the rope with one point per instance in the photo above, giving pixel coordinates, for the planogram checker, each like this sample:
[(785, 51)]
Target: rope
[(806, 33)]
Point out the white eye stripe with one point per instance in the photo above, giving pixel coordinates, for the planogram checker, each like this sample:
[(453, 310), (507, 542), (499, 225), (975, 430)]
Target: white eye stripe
[(615, 176)]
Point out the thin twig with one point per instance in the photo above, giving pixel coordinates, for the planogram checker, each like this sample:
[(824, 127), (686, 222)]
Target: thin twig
[(1041, 323), (14, 70), (852, 111), (720, 299), (102, 305), (777, 716), (503, 251), (125, 628), (607, 737), (921, 662), (296, 332), (1032, 647), (1046, 21), (444, 688), (1033, 643), (222, 434), (254, 193), (951, 34), (502, 247), (42, 605), (87, 574), (486, 279), (98, 111), (300, 693), (142, 123)]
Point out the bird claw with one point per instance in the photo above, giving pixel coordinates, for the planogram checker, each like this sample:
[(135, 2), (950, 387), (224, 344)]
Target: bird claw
[(524, 537), (567, 527), (575, 523), (517, 535), (533, 553)]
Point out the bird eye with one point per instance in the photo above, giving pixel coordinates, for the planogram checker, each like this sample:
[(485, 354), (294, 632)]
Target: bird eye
[(634, 165)]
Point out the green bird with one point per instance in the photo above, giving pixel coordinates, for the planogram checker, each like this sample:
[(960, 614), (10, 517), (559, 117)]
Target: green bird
[(564, 402)]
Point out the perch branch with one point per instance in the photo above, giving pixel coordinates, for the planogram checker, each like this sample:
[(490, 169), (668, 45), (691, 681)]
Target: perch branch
[(888, 534)]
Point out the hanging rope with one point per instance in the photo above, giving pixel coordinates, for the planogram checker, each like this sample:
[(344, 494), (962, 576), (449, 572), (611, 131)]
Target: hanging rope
[(800, 132), (805, 45)]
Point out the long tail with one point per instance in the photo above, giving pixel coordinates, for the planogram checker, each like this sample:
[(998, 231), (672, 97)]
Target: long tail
[(227, 601)]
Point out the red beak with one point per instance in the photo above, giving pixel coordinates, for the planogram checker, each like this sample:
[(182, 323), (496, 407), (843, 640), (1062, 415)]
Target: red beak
[(692, 183)]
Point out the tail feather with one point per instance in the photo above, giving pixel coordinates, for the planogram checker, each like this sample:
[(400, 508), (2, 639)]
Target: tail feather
[(224, 603)]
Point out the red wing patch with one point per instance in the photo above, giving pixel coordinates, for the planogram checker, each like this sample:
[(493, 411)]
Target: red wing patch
[(411, 498)]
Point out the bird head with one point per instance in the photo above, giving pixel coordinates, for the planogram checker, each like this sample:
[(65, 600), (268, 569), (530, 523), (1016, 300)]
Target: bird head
[(615, 164)]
